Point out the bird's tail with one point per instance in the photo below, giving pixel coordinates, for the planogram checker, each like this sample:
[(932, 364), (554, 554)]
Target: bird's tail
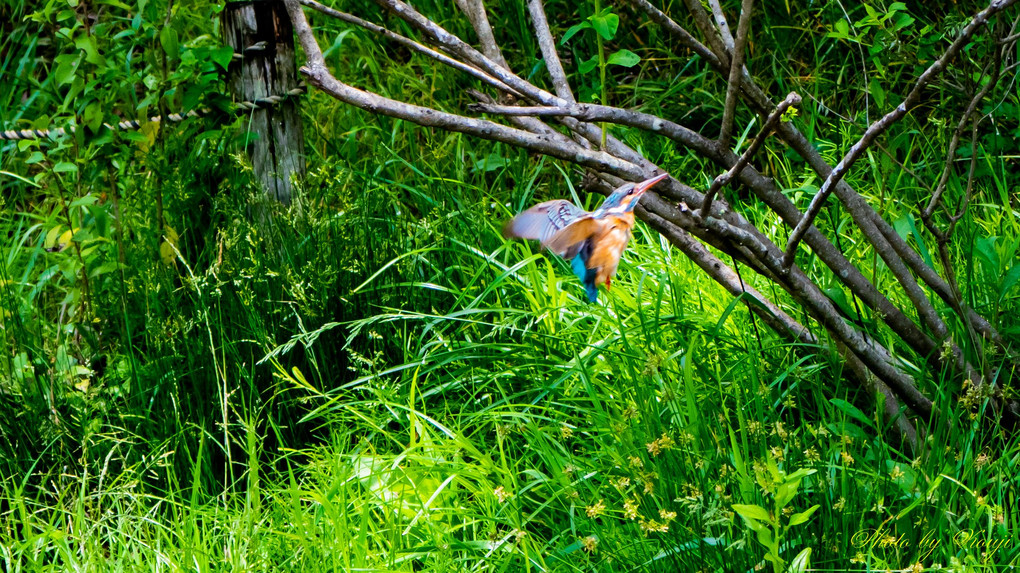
[(587, 276)]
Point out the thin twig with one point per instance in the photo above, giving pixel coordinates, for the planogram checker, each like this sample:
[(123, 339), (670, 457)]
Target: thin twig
[(943, 237), (883, 124), (721, 181), (736, 65), (452, 44), (410, 44), (903, 167), (969, 191), (940, 187), (685, 37)]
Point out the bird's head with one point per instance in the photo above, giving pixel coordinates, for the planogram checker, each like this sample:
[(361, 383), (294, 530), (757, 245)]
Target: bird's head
[(625, 197)]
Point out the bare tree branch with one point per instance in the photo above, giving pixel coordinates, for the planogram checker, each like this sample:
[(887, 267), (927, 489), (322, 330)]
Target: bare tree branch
[(721, 181), (890, 402), (681, 34), (775, 317), (778, 320), (704, 24), (548, 46), (875, 357), (736, 67), (883, 124), (409, 43), (940, 187), (846, 270), (475, 11), (874, 229), (454, 45), (588, 112)]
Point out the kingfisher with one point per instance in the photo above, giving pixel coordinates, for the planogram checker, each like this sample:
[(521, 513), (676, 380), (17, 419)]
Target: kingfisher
[(592, 242)]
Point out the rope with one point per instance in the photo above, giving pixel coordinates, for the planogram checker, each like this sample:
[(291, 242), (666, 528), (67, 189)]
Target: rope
[(241, 107)]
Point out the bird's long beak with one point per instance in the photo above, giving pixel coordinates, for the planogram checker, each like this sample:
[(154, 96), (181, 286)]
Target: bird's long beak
[(647, 184)]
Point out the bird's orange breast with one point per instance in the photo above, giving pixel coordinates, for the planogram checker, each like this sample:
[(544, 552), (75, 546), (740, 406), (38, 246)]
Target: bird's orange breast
[(608, 245)]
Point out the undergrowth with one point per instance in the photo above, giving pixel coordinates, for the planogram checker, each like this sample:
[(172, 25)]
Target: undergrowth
[(374, 379)]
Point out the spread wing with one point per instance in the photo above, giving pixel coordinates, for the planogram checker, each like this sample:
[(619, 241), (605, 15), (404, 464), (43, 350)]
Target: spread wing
[(544, 220), (568, 241)]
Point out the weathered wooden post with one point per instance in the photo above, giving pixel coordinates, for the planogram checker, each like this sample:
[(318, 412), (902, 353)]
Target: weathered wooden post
[(261, 32)]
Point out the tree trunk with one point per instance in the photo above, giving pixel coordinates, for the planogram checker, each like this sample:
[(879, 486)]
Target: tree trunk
[(261, 32)]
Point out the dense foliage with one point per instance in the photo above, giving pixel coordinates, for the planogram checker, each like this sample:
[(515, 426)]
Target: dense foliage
[(375, 379)]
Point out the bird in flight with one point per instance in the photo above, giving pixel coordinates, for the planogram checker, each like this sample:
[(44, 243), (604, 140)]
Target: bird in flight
[(592, 242)]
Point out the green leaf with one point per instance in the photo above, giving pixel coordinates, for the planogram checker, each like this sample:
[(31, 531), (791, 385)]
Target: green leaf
[(905, 226), (902, 21), (1009, 280), (104, 268), (802, 517), (605, 23), (625, 58), (875, 88), (574, 30), (87, 199), (752, 514), (93, 115), (222, 56), (842, 30), (906, 478), (837, 296), (51, 237), (765, 537), (801, 474), (851, 410), (65, 167), (493, 162), (168, 39), (985, 248), (87, 44), (588, 65), (802, 562), (785, 492), (66, 66)]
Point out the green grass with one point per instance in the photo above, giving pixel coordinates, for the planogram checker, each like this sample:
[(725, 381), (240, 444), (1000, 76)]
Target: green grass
[(378, 381), (481, 416)]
